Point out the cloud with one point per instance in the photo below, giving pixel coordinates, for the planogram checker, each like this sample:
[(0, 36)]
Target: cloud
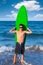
[(12, 15), (39, 17), (30, 5), (6, 19)]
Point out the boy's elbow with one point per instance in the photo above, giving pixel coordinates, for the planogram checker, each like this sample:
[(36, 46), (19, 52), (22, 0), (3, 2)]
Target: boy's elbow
[(11, 31), (30, 32)]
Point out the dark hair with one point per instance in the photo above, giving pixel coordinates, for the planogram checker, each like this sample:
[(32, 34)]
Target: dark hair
[(23, 26)]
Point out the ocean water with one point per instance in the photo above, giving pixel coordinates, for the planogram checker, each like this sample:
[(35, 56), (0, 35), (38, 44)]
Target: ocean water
[(7, 38), (7, 42)]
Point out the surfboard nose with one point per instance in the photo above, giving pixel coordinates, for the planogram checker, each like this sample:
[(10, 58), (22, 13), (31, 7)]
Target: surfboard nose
[(22, 17)]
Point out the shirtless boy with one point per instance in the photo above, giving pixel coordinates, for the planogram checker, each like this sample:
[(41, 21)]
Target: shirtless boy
[(20, 41)]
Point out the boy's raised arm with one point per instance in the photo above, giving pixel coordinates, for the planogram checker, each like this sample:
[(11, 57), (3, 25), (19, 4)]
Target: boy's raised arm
[(13, 30), (28, 31)]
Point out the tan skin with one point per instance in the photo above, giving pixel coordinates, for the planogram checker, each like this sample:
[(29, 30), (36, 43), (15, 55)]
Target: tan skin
[(20, 39)]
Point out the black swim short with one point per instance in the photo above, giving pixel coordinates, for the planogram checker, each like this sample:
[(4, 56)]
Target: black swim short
[(19, 49)]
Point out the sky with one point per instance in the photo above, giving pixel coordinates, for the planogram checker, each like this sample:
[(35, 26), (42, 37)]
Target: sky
[(9, 9)]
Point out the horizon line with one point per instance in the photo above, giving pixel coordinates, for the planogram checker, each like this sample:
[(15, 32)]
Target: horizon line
[(29, 20)]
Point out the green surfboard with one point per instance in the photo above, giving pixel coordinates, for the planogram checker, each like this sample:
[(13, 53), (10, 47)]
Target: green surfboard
[(21, 18)]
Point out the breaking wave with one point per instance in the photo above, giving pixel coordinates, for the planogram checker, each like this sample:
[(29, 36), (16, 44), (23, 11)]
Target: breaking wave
[(12, 48)]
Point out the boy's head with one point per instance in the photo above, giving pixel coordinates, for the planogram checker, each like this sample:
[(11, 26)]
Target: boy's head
[(22, 27)]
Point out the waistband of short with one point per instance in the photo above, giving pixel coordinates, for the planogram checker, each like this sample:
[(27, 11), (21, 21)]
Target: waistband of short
[(19, 43)]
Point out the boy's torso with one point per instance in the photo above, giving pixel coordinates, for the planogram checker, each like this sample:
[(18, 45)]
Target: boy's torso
[(20, 36)]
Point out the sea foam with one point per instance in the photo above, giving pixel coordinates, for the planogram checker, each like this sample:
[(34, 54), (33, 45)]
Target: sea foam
[(11, 48)]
